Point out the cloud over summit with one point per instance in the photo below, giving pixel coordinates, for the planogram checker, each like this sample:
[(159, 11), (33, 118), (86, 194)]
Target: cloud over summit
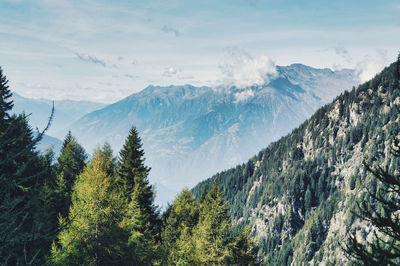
[(242, 69)]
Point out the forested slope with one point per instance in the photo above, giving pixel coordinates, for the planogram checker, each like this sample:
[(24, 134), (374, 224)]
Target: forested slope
[(298, 192)]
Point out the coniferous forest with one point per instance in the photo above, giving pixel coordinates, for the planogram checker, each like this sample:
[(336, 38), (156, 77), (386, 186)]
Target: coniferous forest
[(213, 132), (76, 210), (327, 193)]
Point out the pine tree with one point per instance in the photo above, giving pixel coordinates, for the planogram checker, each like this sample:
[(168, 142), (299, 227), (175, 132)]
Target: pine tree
[(243, 249), (131, 166), (111, 161), (185, 249), (71, 163), (141, 243), (217, 241), (383, 213), (177, 235), (6, 104), (49, 194), (94, 235), (23, 231), (212, 235), (133, 178)]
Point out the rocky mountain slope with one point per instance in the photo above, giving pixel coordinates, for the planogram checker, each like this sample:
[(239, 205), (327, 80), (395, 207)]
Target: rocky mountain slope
[(298, 193), (192, 132)]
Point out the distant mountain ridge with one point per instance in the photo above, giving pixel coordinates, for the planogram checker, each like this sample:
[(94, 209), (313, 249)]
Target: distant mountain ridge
[(49, 142), (191, 132), (65, 112)]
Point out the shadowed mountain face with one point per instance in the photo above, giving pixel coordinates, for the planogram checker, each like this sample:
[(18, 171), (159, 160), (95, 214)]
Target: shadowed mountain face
[(189, 133)]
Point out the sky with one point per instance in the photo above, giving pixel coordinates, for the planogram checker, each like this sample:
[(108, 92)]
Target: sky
[(101, 50)]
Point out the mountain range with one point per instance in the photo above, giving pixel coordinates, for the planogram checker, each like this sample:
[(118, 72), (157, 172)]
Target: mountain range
[(65, 112), (38, 112), (190, 133)]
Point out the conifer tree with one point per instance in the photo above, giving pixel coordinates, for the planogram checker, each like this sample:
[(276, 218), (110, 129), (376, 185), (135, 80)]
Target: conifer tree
[(6, 104), (111, 161), (71, 163), (133, 178), (94, 235), (217, 241), (131, 166), (141, 241), (243, 249), (177, 235), (383, 214), (212, 235), (23, 230)]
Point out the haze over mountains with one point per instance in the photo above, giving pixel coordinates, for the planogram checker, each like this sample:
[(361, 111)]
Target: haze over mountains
[(65, 112), (190, 133)]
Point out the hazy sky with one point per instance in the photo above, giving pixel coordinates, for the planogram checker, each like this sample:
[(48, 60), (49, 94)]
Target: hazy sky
[(105, 50)]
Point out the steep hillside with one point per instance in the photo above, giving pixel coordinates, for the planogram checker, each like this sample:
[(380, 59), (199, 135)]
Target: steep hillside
[(297, 193), (192, 132)]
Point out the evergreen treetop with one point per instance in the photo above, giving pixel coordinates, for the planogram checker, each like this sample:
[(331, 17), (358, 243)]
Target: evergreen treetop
[(24, 229), (93, 236), (6, 104), (71, 161), (131, 161), (133, 178)]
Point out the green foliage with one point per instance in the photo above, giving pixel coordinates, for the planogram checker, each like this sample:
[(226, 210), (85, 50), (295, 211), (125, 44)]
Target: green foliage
[(6, 104), (71, 163), (352, 181), (131, 164), (382, 211), (142, 242), (213, 231), (201, 233), (133, 174), (179, 221), (24, 229), (93, 236), (302, 169)]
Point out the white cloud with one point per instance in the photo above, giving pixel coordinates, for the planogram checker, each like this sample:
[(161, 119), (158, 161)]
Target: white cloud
[(170, 71), (368, 68), (243, 70), (244, 95), (383, 53)]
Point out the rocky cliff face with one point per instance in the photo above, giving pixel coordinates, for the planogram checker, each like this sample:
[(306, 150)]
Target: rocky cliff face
[(298, 194)]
